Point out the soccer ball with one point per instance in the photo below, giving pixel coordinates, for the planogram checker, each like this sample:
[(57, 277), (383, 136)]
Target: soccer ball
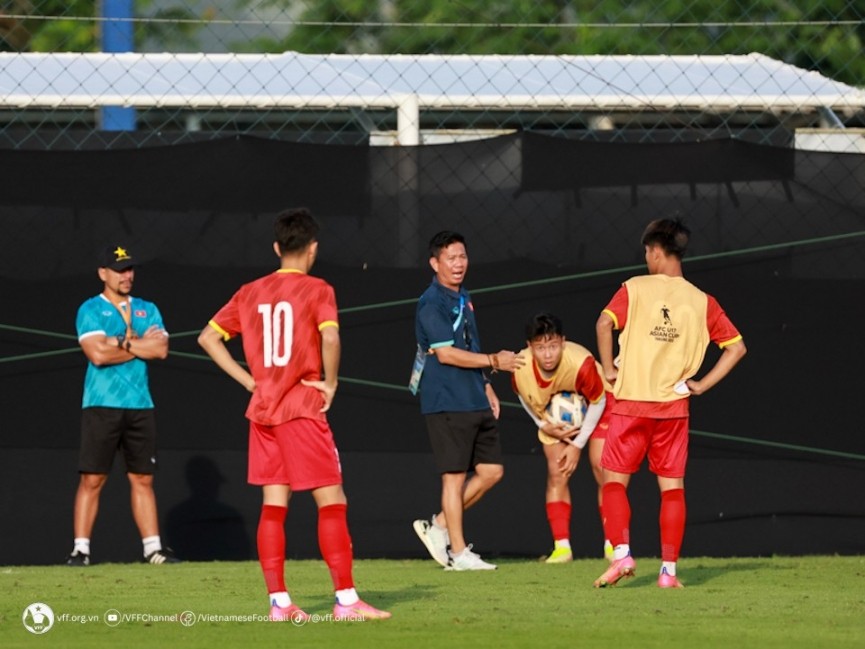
[(566, 408)]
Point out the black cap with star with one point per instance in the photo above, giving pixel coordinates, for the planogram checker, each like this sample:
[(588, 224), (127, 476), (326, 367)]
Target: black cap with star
[(116, 258)]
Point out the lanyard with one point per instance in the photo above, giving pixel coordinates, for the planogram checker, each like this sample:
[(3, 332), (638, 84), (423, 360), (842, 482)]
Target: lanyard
[(460, 316), (125, 309)]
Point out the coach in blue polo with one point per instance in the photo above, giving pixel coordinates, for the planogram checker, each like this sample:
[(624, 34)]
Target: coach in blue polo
[(118, 334), (458, 402)]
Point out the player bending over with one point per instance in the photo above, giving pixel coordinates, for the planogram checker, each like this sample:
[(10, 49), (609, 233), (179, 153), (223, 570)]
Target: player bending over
[(554, 365)]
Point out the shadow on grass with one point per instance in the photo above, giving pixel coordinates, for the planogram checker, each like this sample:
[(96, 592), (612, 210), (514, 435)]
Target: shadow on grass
[(383, 599), (694, 572)]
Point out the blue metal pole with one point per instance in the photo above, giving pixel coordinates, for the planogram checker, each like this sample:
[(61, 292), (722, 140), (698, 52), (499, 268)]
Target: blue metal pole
[(117, 36)]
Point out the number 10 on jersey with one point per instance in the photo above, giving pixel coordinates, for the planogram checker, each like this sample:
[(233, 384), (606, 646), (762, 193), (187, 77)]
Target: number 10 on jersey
[(277, 332)]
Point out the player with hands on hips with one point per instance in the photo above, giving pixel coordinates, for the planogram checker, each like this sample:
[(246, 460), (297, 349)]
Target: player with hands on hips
[(554, 365), (665, 324), (288, 323)]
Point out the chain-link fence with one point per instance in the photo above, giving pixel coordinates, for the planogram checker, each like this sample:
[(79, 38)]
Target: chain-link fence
[(825, 37), (549, 133), (387, 72)]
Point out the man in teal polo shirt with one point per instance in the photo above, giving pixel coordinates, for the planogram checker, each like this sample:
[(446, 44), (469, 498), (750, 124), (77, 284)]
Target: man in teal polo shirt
[(118, 334)]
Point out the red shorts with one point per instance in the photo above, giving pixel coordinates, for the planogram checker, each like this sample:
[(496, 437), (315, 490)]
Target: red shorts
[(299, 453), (603, 426), (630, 439)]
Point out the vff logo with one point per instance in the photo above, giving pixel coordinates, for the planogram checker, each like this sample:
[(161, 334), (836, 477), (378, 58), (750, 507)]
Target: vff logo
[(38, 618)]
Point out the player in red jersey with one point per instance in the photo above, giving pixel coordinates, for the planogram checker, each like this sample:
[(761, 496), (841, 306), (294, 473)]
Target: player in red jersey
[(666, 324), (288, 321)]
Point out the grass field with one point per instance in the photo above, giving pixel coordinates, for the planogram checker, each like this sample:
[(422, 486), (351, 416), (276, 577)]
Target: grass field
[(784, 602)]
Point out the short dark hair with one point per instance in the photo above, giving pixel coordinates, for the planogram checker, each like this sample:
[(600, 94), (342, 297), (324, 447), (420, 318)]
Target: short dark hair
[(544, 325), (670, 234), (294, 229), (442, 240)]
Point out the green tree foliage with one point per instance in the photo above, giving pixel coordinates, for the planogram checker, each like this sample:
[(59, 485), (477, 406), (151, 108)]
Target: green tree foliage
[(826, 36), (831, 44), (69, 25)]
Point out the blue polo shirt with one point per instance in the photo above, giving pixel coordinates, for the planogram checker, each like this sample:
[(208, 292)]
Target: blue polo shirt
[(445, 317), (123, 385)]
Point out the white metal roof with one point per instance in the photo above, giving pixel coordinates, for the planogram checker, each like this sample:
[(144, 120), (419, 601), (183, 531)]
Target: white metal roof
[(293, 80)]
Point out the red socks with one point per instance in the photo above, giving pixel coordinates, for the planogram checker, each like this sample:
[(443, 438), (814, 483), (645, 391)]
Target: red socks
[(617, 513), (672, 522), (335, 544), (271, 546), (559, 516), (333, 540), (617, 518)]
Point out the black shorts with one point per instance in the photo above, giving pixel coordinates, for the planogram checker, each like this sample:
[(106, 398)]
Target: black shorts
[(105, 430), (462, 440)]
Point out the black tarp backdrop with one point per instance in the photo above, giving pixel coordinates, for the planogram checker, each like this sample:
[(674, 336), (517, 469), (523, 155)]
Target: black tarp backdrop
[(755, 485)]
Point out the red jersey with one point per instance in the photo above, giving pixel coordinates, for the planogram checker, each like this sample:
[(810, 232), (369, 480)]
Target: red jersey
[(280, 317)]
